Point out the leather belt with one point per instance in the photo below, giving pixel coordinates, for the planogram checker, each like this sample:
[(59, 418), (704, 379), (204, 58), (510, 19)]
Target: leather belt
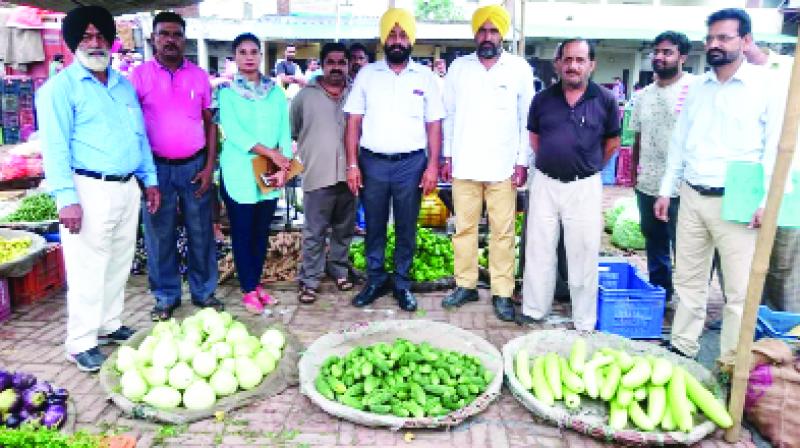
[(708, 191), (567, 179), (183, 161), (103, 177), (394, 157)]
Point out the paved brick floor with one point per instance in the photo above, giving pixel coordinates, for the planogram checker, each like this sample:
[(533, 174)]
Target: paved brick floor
[(32, 341)]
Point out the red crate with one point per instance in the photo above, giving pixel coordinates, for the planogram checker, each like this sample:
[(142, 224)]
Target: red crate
[(5, 301), (45, 279), (624, 162)]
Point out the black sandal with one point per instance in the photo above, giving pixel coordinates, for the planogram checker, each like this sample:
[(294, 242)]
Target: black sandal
[(160, 313), (307, 295), (210, 302)]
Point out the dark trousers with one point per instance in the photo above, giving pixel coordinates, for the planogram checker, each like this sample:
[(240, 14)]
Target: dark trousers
[(160, 234), (333, 208), (659, 239), (395, 183), (249, 237)]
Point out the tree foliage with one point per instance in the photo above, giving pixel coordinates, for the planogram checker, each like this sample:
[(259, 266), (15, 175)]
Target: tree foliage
[(437, 10)]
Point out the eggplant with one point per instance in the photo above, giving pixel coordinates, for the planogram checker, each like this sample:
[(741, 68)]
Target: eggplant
[(48, 388), (12, 421), (54, 416), (9, 400), (30, 416), (61, 394), (21, 381), (34, 398), (5, 380), (55, 400)]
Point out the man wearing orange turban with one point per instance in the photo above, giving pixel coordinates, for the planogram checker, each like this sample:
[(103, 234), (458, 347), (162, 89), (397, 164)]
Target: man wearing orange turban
[(486, 150)]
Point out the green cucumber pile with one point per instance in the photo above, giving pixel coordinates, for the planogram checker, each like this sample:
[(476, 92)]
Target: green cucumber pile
[(403, 379), (650, 392)]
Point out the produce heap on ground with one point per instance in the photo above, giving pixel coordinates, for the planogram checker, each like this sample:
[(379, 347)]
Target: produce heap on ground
[(193, 364), (403, 379), (26, 401), (433, 258), (651, 392), (623, 222), (35, 208), (13, 248)]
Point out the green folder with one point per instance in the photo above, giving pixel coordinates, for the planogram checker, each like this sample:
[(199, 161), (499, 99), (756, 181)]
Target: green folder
[(744, 190)]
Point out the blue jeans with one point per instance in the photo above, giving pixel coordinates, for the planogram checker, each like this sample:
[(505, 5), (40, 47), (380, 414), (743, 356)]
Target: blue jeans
[(249, 237), (659, 239), (160, 235), (394, 182)]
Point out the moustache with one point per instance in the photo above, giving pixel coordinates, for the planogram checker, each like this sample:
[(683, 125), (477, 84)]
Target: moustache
[(571, 72), (396, 48), (336, 72)]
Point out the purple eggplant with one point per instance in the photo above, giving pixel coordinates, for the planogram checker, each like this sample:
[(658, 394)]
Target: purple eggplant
[(12, 421), (54, 416), (9, 401), (61, 394), (21, 381), (5, 380), (55, 400), (27, 416), (34, 398)]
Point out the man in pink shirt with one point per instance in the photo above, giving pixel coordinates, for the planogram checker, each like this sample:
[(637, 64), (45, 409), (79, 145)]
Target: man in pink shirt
[(176, 98)]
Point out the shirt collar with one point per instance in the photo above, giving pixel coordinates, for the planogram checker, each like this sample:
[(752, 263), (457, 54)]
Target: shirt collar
[(501, 60), (184, 64), (79, 73), (411, 66), (746, 74), (592, 91)]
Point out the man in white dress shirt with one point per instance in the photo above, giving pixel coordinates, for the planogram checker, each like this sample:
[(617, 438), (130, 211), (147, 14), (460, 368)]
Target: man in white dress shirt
[(487, 95), (395, 112), (729, 115)]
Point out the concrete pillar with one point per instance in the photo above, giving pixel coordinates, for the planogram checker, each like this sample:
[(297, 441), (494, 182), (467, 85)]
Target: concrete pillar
[(202, 54)]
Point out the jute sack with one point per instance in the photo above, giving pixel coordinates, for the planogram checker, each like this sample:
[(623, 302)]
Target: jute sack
[(772, 402), (439, 335), (591, 417), (284, 375)]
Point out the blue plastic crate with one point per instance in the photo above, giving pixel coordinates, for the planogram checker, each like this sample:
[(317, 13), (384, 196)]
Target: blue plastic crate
[(776, 324), (609, 173), (627, 304)]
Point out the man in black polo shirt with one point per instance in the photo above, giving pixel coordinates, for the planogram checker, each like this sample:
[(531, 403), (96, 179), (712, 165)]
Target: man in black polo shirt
[(574, 129)]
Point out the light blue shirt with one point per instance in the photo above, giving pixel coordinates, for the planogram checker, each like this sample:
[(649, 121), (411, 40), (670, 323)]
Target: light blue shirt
[(85, 124)]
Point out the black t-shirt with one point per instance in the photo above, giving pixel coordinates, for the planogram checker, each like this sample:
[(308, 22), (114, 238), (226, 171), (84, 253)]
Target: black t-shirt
[(571, 138)]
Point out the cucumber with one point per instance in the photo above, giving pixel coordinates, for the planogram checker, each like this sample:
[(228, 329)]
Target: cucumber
[(667, 422), (707, 402), (418, 395), (639, 418), (638, 375), (610, 383), (617, 416), (523, 369), (662, 371), (570, 379), (571, 399), (552, 370), (624, 360), (656, 403), (624, 397), (678, 401), (639, 394), (577, 355), (541, 389), (590, 380)]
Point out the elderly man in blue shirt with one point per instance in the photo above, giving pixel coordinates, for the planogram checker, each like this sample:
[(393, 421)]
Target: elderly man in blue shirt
[(94, 144)]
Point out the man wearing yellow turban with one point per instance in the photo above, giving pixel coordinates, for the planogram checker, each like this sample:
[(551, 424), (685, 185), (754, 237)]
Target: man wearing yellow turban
[(486, 150), (395, 111)]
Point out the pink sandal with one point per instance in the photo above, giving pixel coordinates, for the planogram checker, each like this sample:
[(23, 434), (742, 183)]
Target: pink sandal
[(265, 297), (252, 303)]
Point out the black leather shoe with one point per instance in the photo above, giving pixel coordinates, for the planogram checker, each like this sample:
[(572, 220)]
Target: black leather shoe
[(503, 308), (405, 299), (527, 320), (459, 297), (369, 294), (122, 334)]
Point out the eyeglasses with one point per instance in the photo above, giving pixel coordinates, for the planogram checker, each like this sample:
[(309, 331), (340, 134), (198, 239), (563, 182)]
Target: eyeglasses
[(723, 38)]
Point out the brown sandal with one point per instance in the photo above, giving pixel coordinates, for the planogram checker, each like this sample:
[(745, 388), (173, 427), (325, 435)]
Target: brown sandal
[(344, 284), (307, 295)]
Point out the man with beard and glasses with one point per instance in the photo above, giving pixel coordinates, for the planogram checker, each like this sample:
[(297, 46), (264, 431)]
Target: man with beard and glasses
[(289, 73), (318, 127), (94, 143), (486, 150), (176, 100), (653, 119), (395, 112), (358, 59), (730, 114), (574, 129)]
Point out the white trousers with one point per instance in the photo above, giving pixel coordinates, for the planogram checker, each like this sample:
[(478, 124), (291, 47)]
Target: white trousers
[(98, 259), (701, 229), (577, 206)]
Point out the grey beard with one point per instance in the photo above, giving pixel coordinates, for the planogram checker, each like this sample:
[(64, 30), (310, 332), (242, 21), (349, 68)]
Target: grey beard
[(93, 63)]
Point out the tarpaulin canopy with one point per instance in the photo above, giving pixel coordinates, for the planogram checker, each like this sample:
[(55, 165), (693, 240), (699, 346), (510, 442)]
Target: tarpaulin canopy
[(116, 7)]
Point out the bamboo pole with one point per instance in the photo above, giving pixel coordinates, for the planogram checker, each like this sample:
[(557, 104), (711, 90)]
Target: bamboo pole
[(766, 238)]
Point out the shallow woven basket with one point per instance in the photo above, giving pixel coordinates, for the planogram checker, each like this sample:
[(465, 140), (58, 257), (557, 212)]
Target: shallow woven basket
[(439, 335), (592, 416)]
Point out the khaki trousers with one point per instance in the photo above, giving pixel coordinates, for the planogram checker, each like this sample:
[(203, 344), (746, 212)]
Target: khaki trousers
[(98, 259), (701, 229), (501, 201), (577, 205)]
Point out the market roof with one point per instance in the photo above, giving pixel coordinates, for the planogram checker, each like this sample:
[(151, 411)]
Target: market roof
[(116, 7)]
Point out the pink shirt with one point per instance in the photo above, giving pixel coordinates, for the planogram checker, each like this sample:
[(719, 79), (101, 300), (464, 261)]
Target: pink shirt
[(172, 104)]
